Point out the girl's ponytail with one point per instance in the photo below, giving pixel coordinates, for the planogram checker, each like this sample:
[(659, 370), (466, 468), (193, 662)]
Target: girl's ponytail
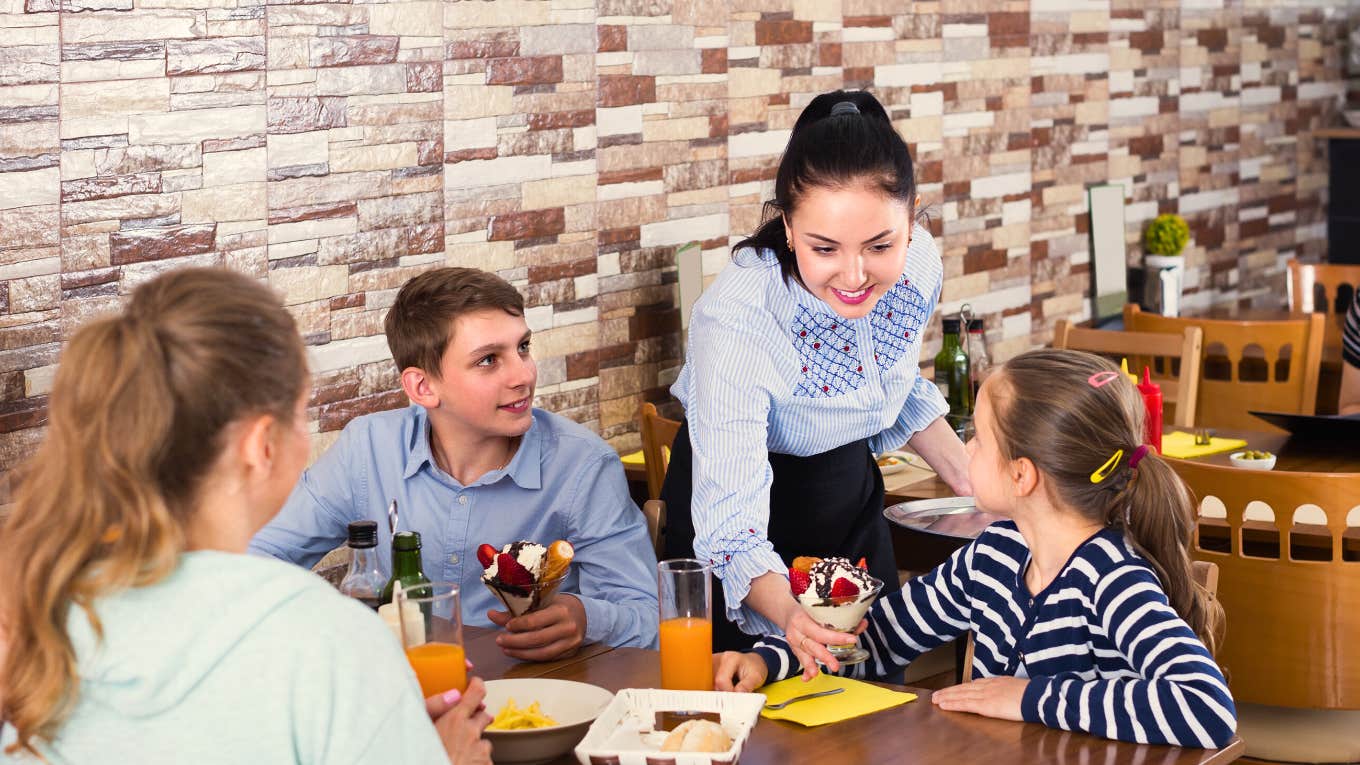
[(1158, 516)]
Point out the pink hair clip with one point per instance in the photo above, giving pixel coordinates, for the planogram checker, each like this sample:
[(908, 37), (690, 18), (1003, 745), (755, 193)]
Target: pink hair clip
[(1101, 379), (1137, 456)]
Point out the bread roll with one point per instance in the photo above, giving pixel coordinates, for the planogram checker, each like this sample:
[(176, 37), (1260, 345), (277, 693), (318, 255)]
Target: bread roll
[(697, 736)]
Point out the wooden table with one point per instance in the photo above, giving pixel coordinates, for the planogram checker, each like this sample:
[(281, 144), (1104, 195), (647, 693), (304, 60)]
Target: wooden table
[(918, 732)]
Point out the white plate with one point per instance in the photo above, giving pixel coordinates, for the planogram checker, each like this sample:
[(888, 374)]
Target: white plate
[(905, 460)]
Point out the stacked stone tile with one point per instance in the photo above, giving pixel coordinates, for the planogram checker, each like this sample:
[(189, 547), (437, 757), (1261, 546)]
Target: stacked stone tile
[(574, 146)]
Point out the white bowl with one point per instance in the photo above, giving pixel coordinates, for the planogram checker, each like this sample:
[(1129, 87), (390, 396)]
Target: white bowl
[(1352, 117), (1239, 460), (573, 705)]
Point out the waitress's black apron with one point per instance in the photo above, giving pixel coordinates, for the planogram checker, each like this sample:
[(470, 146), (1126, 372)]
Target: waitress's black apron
[(829, 504)]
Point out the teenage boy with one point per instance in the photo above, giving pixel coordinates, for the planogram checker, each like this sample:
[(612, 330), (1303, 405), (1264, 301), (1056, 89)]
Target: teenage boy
[(472, 462)]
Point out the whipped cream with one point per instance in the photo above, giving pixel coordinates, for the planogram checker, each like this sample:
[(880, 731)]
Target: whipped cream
[(531, 555)]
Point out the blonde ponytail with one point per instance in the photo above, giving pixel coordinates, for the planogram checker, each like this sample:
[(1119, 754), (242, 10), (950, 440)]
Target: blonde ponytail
[(136, 414)]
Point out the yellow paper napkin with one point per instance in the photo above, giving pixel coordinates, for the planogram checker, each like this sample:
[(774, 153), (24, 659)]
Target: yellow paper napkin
[(1182, 445), (634, 458), (858, 698)]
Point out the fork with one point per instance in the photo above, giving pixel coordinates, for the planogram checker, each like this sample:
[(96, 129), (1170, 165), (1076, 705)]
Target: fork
[(804, 697)]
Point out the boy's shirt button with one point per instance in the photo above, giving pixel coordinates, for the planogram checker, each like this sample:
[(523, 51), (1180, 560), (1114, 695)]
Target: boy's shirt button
[(462, 499), (454, 559)]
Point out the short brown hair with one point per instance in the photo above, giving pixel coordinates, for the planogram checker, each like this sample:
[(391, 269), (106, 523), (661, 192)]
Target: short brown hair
[(419, 325)]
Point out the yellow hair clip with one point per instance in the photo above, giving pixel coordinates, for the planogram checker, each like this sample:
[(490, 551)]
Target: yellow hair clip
[(1104, 471)]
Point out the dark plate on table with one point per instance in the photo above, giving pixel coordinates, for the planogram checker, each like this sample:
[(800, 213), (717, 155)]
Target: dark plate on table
[(1315, 427)]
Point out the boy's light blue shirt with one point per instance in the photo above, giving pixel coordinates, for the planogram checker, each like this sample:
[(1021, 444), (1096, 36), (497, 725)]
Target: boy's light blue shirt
[(238, 659), (564, 482)]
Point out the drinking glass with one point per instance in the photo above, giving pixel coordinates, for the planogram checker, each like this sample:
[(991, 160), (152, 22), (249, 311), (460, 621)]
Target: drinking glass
[(685, 596), (431, 620)]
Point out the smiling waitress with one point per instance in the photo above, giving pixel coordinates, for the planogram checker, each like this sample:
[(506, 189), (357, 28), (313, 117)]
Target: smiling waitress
[(803, 360)]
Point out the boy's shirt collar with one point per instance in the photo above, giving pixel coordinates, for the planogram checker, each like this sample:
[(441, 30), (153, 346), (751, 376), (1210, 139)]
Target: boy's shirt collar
[(525, 468)]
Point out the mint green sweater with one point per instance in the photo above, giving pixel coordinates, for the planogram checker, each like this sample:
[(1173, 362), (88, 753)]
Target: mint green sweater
[(240, 659)]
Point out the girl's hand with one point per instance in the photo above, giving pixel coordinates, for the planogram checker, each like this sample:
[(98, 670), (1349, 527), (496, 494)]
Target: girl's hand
[(998, 697), (746, 669), (808, 641), (460, 724)]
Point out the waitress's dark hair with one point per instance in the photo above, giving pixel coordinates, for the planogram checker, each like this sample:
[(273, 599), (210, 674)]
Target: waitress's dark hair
[(834, 145)]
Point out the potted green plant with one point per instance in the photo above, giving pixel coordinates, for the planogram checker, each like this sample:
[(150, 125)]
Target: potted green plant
[(1163, 240)]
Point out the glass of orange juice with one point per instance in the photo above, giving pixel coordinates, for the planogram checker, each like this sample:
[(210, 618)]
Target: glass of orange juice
[(685, 595), (432, 634)]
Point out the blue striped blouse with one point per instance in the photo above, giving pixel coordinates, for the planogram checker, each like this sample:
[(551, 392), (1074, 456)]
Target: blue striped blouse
[(771, 368), (1103, 649)]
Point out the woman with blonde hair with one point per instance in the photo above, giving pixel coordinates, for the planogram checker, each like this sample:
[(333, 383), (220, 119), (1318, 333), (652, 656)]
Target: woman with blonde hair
[(134, 628)]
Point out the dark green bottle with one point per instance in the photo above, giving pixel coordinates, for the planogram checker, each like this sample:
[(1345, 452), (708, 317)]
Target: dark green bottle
[(952, 373), (406, 565)]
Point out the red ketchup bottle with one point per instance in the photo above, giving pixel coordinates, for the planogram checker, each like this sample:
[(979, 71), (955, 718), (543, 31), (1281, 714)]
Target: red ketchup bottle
[(1152, 400)]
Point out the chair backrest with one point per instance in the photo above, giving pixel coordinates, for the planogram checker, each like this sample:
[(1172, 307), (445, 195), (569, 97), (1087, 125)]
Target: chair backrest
[(1290, 581), (657, 435), (654, 511), (1325, 288), (1144, 349), (1281, 383)]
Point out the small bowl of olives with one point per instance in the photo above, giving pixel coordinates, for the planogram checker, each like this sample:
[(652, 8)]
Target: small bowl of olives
[(1253, 459)]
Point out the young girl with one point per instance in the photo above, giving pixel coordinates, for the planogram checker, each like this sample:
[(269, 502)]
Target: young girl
[(802, 361), (1083, 608), (132, 627)]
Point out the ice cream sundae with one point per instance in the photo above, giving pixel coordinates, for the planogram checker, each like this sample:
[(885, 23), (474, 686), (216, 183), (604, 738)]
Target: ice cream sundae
[(836, 594), (525, 575)]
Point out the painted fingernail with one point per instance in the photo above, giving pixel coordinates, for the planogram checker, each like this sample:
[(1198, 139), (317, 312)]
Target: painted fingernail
[(452, 697), (468, 662)]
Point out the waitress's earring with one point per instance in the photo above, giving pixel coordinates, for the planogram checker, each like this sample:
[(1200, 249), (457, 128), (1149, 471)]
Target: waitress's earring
[(789, 244)]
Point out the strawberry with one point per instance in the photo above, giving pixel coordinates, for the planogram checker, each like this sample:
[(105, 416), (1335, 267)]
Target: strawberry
[(863, 564), (844, 588), (485, 555), (799, 581), (511, 574)]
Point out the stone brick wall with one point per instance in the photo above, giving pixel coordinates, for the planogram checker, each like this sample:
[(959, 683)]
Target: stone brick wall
[(335, 149)]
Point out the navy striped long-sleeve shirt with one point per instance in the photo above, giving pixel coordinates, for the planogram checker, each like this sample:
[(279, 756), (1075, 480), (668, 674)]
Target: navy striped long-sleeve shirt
[(1103, 649)]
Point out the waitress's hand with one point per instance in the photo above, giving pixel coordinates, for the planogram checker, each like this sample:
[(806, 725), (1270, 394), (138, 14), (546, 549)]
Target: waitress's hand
[(809, 640), (942, 449)]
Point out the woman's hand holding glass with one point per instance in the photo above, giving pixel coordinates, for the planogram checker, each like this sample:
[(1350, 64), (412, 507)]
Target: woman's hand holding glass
[(459, 719)]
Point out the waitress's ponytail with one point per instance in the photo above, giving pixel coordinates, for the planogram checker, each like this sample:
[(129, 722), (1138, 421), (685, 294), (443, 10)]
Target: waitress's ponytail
[(834, 148), (136, 415)]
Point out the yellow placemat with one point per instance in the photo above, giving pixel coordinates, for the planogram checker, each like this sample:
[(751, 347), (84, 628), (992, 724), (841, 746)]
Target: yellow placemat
[(1182, 446), (634, 459), (858, 698)]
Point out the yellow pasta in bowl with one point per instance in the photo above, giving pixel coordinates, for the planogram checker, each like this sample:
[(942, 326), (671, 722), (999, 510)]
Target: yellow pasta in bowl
[(511, 717), (558, 717)]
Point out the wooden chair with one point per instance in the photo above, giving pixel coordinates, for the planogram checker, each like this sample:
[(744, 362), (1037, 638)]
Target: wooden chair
[(1325, 288), (1292, 605), (658, 433), (1143, 349), (1288, 385)]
